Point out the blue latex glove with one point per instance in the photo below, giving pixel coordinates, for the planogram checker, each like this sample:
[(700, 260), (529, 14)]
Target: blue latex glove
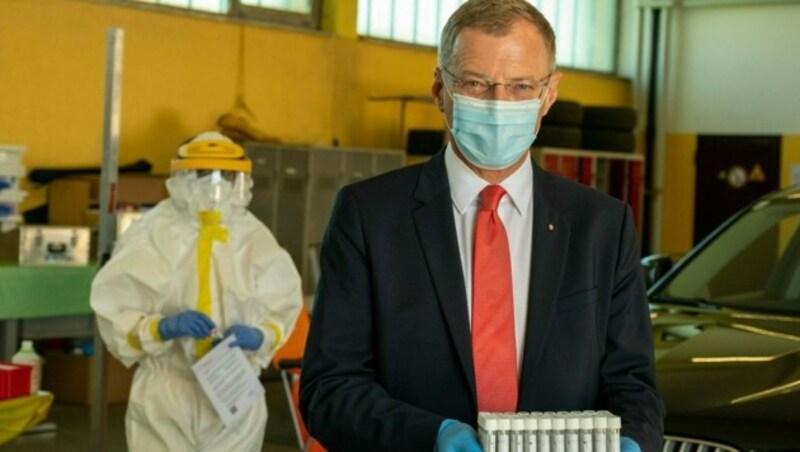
[(456, 436), (188, 323), (248, 338), (628, 445)]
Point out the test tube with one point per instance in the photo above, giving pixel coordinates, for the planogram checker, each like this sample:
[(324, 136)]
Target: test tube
[(545, 427), (487, 431), (612, 435), (557, 440), (503, 433), (517, 433), (531, 432), (586, 433), (571, 436), (600, 437)]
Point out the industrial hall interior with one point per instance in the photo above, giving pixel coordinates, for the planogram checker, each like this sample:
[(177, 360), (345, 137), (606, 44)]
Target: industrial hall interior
[(449, 225)]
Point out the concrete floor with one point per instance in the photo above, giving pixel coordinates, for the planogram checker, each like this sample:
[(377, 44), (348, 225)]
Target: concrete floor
[(71, 432)]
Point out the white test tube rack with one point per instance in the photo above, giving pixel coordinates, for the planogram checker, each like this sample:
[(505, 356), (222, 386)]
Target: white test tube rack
[(574, 431)]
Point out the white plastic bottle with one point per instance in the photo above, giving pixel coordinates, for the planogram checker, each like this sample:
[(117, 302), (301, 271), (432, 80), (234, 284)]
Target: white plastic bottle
[(27, 355)]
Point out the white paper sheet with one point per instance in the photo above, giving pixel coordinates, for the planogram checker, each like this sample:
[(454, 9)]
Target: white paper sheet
[(228, 380)]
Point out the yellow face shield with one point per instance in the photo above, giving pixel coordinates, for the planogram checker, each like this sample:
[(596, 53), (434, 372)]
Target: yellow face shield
[(211, 154), (211, 173)]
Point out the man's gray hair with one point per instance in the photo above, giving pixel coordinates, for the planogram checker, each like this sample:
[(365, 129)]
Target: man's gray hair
[(494, 17)]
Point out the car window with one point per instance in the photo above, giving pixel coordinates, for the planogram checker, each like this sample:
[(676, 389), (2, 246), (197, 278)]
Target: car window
[(754, 263)]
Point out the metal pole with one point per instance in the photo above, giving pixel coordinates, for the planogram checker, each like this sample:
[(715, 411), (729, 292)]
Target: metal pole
[(107, 224), (662, 128)]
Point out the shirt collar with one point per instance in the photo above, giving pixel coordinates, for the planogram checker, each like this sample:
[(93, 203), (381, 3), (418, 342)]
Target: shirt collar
[(465, 185)]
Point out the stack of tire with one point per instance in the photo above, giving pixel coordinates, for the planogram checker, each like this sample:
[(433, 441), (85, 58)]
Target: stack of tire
[(561, 127), (608, 129)]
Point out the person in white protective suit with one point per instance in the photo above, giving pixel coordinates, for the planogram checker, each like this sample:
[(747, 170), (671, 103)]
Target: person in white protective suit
[(196, 267)]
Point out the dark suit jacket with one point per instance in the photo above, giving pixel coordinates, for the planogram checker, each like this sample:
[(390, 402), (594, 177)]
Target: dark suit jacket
[(388, 356)]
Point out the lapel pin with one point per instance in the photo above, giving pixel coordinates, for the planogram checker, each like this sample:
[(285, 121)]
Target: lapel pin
[(550, 227)]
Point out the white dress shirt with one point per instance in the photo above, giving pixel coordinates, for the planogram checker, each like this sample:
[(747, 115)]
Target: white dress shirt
[(516, 212)]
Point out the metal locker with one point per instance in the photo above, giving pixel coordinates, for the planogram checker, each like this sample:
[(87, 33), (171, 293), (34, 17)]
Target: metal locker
[(357, 165), (295, 189), (264, 174), (292, 203), (323, 185), (387, 161)]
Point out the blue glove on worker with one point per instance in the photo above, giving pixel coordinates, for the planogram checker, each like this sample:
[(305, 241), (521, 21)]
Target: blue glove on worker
[(456, 436), (628, 445), (248, 338), (187, 323)]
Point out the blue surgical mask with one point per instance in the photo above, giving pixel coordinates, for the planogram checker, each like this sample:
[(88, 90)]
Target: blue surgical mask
[(493, 134)]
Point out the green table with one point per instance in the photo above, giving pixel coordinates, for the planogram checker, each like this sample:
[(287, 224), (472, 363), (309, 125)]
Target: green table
[(43, 302), (32, 292)]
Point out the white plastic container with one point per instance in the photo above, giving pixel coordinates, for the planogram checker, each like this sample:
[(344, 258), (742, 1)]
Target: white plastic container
[(27, 355), (10, 176), (11, 168), (9, 202), (8, 182), (11, 154)]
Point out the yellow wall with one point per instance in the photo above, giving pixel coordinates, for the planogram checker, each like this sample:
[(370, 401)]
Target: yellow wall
[(596, 89), (678, 195), (180, 75), (790, 155), (679, 187)]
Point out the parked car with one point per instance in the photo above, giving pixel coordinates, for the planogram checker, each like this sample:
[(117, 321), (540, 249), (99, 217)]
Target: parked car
[(726, 326)]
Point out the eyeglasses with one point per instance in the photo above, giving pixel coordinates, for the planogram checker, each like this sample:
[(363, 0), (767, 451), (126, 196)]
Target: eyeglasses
[(473, 86)]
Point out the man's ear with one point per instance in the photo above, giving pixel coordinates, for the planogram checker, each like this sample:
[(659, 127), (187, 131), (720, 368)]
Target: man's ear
[(437, 89)]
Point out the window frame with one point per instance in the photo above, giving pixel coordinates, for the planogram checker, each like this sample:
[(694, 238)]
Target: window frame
[(263, 14), (240, 11), (613, 44)]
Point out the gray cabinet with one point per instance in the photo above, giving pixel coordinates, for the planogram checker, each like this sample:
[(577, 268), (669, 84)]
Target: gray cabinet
[(295, 188)]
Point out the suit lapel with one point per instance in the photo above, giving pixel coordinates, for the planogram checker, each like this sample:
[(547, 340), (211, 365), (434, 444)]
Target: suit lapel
[(550, 242), (436, 230)]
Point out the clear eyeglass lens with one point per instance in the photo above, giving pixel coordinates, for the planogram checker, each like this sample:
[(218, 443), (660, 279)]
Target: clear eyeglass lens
[(482, 88), (475, 87)]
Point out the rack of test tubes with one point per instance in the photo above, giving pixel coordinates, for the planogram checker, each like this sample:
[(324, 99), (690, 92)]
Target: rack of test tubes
[(549, 431), (11, 170)]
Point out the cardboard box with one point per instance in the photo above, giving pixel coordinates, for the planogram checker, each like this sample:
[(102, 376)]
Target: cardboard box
[(73, 201), (69, 378), (15, 380), (9, 247)]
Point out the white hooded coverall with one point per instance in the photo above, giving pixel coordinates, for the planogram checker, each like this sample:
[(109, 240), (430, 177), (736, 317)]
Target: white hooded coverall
[(153, 274)]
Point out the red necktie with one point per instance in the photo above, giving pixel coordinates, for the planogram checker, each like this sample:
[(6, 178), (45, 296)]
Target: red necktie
[(494, 348)]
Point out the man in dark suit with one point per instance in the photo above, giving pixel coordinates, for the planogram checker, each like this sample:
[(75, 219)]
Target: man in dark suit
[(477, 281)]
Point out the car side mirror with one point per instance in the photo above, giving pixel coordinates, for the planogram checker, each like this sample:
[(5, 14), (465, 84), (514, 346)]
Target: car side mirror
[(654, 267)]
